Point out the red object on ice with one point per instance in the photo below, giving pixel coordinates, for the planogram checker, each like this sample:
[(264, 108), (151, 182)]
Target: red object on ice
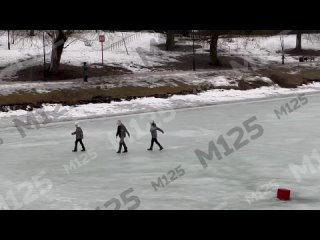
[(283, 194)]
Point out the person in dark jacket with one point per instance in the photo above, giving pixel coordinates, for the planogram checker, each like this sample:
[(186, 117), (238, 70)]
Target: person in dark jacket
[(85, 72), (154, 136), (79, 138), (121, 132)]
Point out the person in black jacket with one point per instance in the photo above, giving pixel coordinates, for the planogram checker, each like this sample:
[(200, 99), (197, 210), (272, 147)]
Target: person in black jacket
[(121, 132), (154, 136), (79, 138)]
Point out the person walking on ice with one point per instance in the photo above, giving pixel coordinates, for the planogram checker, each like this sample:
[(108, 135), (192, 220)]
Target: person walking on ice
[(121, 132), (154, 135), (79, 138)]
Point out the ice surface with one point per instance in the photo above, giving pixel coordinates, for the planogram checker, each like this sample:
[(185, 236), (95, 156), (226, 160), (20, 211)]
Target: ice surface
[(260, 166)]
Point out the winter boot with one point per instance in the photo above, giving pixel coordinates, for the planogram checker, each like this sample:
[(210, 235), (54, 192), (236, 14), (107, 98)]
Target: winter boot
[(125, 148), (120, 147)]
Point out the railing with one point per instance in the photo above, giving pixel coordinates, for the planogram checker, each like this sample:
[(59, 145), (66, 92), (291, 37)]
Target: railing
[(121, 42)]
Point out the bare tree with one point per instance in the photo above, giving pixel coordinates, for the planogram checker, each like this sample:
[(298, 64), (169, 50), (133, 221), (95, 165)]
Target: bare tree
[(214, 35), (298, 41), (309, 35), (12, 37), (59, 38), (214, 48), (56, 38), (282, 48), (170, 40), (8, 39)]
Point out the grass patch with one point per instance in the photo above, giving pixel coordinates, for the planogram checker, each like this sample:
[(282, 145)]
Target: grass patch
[(284, 79), (311, 75), (89, 95)]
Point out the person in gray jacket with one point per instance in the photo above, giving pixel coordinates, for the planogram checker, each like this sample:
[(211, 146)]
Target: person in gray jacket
[(121, 132), (79, 138), (154, 136)]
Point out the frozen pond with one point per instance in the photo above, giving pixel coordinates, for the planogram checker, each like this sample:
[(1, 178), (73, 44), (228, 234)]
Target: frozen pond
[(39, 171)]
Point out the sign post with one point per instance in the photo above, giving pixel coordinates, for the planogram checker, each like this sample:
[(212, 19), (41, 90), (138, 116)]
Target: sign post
[(102, 40)]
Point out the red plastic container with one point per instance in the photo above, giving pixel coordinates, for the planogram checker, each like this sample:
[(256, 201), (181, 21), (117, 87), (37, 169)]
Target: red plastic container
[(283, 194)]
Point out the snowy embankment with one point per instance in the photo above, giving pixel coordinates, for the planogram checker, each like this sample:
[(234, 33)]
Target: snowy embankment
[(151, 80), (57, 113)]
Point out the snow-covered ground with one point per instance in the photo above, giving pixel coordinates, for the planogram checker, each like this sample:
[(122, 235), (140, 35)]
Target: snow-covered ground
[(142, 50), (267, 50), (40, 171)]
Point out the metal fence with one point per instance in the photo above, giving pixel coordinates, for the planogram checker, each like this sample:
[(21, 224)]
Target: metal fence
[(120, 43)]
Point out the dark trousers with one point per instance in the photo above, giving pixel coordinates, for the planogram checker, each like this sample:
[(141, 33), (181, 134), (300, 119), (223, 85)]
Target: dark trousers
[(122, 143), (85, 78), (154, 140), (76, 144)]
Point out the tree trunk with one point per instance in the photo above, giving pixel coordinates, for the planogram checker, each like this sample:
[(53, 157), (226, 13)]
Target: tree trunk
[(57, 49), (298, 42), (170, 40), (12, 36), (214, 50), (8, 39), (31, 33)]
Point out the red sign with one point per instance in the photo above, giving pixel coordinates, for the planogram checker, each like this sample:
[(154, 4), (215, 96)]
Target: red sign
[(102, 38)]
